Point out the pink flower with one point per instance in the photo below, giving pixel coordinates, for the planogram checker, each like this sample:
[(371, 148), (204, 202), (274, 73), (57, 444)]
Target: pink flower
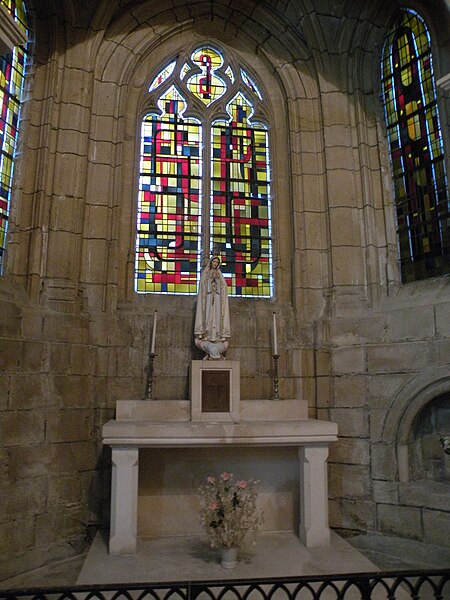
[(211, 479), (226, 476), (214, 505), (242, 484)]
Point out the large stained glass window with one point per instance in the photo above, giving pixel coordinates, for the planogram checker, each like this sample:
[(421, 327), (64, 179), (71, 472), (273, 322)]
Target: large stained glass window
[(416, 148), (204, 184), (12, 67)]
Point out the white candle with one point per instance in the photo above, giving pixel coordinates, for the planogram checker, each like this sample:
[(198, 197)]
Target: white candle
[(152, 348), (275, 339)]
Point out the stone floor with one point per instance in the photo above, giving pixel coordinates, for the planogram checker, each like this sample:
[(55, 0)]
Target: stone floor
[(371, 552)]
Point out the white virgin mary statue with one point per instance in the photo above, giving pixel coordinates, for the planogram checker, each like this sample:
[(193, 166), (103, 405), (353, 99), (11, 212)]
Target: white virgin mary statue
[(212, 316)]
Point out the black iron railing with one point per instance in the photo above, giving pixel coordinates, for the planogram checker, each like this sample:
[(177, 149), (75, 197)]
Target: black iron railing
[(404, 585)]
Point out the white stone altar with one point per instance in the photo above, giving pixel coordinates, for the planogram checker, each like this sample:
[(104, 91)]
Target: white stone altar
[(260, 423)]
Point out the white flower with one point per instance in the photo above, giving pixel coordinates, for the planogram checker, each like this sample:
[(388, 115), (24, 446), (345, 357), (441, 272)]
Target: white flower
[(228, 509)]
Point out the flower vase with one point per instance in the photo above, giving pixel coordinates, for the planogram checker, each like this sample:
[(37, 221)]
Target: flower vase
[(228, 557)]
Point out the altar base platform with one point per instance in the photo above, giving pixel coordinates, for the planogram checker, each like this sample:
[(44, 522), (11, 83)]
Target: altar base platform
[(189, 558)]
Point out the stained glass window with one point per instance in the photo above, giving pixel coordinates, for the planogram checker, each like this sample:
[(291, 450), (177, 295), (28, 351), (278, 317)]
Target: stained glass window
[(240, 220), (169, 199), (12, 68), (204, 182), (416, 149)]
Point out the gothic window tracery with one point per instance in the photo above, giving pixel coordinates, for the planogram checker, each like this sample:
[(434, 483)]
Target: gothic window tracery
[(204, 182), (416, 149), (12, 75)]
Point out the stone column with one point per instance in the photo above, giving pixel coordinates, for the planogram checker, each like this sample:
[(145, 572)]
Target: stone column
[(314, 529), (124, 498)]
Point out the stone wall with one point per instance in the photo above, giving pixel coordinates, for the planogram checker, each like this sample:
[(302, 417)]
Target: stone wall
[(360, 347), (386, 369)]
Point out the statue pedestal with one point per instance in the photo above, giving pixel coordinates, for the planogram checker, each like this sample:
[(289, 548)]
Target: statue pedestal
[(263, 423), (215, 390)]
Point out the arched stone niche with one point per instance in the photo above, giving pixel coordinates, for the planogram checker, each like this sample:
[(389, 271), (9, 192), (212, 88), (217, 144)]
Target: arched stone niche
[(427, 459), (128, 57), (419, 412)]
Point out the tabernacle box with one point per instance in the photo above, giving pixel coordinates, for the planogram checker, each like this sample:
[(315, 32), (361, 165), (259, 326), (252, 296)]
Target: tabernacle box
[(215, 390)]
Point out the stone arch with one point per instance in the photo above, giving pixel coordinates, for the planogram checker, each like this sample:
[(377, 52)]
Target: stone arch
[(132, 47), (408, 404)]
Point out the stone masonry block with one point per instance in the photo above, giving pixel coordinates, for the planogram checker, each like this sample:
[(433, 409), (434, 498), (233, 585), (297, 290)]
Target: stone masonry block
[(395, 358), (322, 362), (68, 176), (335, 106), (323, 414), (32, 461), (403, 521), (354, 451), (30, 391), (65, 328), (21, 427), (63, 252), (102, 126), (34, 357), (16, 535), (324, 392), (433, 495), (442, 351), (5, 383), (337, 135), (355, 515), (129, 362), (410, 324), (377, 418), (31, 325), (344, 224), (312, 164), (65, 491), (71, 141), (349, 391), (51, 459), (349, 481), (384, 462), (385, 492), (11, 353), (353, 422), (98, 224), (347, 360), (59, 358), (11, 318), (341, 188), (348, 266), (81, 359), (443, 319), (101, 361), (108, 92), (347, 331), (436, 525), (312, 190), (74, 113), (73, 390), (27, 496), (59, 525), (132, 388), (315, 230), (99, 184), (68, 425), (383, 388)]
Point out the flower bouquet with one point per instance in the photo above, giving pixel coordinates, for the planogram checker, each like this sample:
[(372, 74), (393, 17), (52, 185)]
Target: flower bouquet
[(228, 509)]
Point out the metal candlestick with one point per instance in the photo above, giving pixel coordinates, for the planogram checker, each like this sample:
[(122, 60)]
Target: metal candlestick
[(149, 386), (275, 376)]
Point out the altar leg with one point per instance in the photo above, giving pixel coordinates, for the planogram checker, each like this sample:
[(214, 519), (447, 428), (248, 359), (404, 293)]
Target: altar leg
[(124, 496), (314, 529)]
